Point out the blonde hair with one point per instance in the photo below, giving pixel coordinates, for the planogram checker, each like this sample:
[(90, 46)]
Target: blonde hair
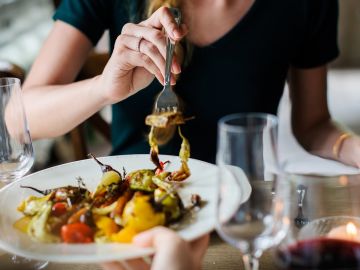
[(153, 5), (184, 51)]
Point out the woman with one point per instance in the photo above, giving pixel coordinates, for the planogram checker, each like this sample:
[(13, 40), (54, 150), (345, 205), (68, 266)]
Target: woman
[(238, 55)]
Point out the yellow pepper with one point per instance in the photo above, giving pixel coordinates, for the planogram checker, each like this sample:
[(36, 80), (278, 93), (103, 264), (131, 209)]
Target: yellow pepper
[(22, 224), (106, 225), (108, 178), (140, 215), (124, 236)]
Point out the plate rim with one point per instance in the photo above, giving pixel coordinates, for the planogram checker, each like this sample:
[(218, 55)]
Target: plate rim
[(95, 258)]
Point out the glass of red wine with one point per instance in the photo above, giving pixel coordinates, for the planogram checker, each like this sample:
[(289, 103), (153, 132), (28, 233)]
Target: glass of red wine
[(324, 223)]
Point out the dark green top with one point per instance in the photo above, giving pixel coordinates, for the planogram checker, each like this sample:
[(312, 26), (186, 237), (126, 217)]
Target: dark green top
[(243, 71)]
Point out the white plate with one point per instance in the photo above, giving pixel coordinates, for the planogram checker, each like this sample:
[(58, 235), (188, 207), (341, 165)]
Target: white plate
[(202, 181)]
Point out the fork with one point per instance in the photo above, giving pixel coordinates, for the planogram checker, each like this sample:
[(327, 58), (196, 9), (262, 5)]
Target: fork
[(300, 220), (167, 100)]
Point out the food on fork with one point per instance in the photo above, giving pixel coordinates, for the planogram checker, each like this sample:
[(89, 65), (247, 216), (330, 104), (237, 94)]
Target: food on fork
[(165, 119)]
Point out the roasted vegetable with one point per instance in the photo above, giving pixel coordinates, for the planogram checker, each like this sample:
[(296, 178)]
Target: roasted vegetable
[(141, 180), (184, 154), (124, 236), (38, 228), (109, 178), (165, 119), (77, 233), (171, 204), (140, 215), (120, 207), (106, 226), (32, 205)]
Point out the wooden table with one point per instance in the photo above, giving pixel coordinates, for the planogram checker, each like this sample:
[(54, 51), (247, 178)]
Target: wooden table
[(219, 256)]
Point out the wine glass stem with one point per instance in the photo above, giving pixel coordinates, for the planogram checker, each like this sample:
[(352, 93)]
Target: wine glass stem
[(251, 262)]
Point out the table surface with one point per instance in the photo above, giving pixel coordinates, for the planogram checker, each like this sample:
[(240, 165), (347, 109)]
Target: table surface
[(219, 256)]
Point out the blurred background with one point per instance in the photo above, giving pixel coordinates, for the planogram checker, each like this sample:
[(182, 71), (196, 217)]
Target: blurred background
[(24, 24)]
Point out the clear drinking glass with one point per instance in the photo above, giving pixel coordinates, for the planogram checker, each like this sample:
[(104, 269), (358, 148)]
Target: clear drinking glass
[(249, 215), (16, 150)]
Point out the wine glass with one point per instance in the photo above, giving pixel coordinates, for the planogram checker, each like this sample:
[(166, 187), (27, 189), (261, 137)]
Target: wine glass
[(325, 223), (16, 150), (249, 216)]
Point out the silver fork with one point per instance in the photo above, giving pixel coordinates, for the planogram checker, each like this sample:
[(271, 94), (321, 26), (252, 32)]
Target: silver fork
[(301, 220), (167, 99)]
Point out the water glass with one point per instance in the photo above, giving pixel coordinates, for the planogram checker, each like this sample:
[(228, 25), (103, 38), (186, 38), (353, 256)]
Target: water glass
[(249, 216), (16, 150)]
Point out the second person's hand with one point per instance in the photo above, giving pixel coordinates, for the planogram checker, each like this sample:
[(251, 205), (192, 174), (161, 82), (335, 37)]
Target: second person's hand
[(171, 252)]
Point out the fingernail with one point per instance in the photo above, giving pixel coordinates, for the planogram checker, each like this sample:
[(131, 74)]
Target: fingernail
[(176, 33), (178, 68), (175, 68)]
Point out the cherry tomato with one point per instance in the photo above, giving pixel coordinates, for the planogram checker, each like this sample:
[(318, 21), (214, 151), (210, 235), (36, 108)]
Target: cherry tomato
[(58, 209), (162, 165), (77, 233)]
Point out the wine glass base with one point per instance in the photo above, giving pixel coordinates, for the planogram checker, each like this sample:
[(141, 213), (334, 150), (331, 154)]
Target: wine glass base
[(12, 262)]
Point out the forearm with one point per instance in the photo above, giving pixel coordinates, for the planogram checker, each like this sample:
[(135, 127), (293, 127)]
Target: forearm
[(54, 110), (311, 120), (323, 138)]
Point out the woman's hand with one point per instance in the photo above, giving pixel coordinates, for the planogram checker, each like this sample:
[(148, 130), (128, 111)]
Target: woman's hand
[(171, 252), (139, 56)]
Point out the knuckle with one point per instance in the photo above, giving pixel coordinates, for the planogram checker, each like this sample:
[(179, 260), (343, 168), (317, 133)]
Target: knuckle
[(163, 11), (120, 50), (150, 47), (119, 40), (158, 35), (146, 59), (126, 27)]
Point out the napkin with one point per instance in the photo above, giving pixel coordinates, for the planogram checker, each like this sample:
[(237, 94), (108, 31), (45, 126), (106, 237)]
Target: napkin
[(293, 158)]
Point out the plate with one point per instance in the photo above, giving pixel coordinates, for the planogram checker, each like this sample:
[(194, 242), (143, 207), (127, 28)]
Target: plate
[(202, 181)]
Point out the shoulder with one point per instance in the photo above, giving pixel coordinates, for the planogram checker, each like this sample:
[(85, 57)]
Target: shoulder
[(92, 17)]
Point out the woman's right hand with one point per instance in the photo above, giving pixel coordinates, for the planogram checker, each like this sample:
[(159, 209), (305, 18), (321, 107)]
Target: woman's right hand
[(139, 56)]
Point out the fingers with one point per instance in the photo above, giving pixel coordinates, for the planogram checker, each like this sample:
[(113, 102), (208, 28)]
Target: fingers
[(163, 18), (155, 36), (135, 264), (156, 237), (145, 47), (198, 248), (112, 266), (137, 59), (154, 43)]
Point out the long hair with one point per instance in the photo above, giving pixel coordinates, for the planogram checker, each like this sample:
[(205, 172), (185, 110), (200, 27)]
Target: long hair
[(183, 51)]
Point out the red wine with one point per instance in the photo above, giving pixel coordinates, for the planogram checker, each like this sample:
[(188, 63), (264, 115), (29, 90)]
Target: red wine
[(320, 253)]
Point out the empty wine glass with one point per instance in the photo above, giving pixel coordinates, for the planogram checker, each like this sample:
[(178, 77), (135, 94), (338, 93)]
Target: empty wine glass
[(249, 216), (16, 150)]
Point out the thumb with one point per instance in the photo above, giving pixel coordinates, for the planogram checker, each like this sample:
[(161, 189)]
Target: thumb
[(155, 237)]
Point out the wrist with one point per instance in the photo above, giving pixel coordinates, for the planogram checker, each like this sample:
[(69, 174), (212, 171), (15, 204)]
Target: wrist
[(349, 151), (96, 90)]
